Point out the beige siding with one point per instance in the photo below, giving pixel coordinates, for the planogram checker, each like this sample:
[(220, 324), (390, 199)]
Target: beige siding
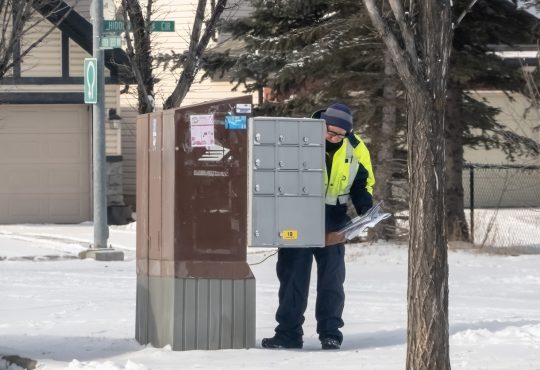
[(45, 59), (76, 59), (237, 9), (163, 42), (183, 15), (210, 90), (113, 144), (83, 8), (505, 187), (512, 116), (112, 136), (129, 117), (45, 88)]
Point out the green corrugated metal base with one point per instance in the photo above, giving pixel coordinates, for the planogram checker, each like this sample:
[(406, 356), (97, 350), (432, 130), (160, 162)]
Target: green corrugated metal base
[(190, 314)]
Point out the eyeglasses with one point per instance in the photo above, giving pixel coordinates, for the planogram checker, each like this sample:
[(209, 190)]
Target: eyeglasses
[(333, 134)]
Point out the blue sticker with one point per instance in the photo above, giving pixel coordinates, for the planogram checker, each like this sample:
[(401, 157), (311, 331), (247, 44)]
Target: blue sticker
[(235, 122)]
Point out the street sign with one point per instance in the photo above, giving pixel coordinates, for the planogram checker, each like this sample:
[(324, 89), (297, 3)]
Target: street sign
[(162, 26), (90, 81), (115, 26), (110, 42)]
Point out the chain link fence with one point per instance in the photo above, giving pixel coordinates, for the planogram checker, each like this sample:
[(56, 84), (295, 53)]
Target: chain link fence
[(503, 205)]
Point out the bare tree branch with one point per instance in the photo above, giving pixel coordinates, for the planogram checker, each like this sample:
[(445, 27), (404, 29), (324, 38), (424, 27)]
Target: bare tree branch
[(462, 15), (403, 65), (196, 49), (408, 37), (16, 15), (137, 23)]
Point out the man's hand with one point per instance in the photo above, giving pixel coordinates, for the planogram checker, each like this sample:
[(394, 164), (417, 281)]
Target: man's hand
[(333, 238)]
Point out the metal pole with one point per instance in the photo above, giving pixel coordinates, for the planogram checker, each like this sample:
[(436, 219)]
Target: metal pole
[(101, 230), (471, 196)]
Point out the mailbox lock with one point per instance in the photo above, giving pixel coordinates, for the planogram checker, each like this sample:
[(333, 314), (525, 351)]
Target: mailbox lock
[(305, 189), (281, 163), (306, 139), (257, 137), (280, 189), (281, 138), (257, 162), (257, 233), (257, 187), (304, 164)]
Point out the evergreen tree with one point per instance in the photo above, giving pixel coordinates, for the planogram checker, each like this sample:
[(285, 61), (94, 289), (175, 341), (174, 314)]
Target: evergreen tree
[(474, 65), (314, 52), (322, 51)]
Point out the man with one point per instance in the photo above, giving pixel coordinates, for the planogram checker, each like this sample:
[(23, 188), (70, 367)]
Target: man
[(348, 175)]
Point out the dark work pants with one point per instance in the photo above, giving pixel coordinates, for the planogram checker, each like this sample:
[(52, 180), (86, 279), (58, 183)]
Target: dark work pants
[(293, 271)]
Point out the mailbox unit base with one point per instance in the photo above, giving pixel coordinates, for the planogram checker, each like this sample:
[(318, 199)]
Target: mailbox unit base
[(195, 313)]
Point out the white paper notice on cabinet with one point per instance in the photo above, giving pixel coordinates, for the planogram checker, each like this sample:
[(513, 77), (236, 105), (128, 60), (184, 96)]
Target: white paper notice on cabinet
[(202, 130)]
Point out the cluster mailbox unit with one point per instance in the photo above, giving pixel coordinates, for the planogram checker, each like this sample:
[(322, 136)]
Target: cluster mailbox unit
[(210, 182), (287, 182)]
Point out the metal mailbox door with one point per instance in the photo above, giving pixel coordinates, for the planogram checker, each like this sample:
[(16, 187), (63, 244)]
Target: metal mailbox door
[(311, 158), (264, 215), (264, 158), (288, 183), (264, 133), (288, 133), (263, 183), (311, 135), (288, 158), (298, 215)]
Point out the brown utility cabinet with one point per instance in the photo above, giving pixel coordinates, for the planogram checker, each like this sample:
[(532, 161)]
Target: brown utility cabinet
[(195, 289)]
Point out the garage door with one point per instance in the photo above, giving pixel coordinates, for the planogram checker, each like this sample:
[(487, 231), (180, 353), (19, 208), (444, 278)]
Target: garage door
[(44, 164)]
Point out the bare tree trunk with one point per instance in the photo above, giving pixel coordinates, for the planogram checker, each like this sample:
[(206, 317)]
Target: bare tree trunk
[(427, 302), (139, 53), (456, 224), (385, 143), (421, 53), (17, 22), (196, 49)]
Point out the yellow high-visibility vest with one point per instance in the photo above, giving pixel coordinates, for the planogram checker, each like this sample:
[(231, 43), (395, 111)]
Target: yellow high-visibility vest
[(345, 165)]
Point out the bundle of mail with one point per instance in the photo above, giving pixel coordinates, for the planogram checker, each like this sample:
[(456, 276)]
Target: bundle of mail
[(360, 223)]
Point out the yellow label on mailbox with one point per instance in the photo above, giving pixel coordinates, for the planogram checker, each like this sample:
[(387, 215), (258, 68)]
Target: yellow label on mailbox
[(289, 234)]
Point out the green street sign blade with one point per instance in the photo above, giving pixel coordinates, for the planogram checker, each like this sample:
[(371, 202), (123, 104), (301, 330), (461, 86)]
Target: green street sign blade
[(90, 81), (113, 26), (110, 42), (162, 26)]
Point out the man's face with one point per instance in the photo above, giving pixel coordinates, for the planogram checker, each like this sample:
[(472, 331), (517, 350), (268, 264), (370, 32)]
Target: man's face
[(334, 134)]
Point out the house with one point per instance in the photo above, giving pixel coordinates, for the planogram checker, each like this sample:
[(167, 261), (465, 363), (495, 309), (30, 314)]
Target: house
[(182, 13), (45, 127), (498, 181)]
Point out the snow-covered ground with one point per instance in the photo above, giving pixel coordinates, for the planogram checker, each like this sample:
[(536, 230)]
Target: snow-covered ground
[(68, 313), (506, 227)]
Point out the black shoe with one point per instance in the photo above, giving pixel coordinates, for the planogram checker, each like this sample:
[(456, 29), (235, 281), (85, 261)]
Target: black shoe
[(280, 342), (330, 343)]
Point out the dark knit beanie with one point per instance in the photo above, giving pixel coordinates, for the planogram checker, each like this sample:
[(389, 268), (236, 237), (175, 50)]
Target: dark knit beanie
[(338, 115)]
